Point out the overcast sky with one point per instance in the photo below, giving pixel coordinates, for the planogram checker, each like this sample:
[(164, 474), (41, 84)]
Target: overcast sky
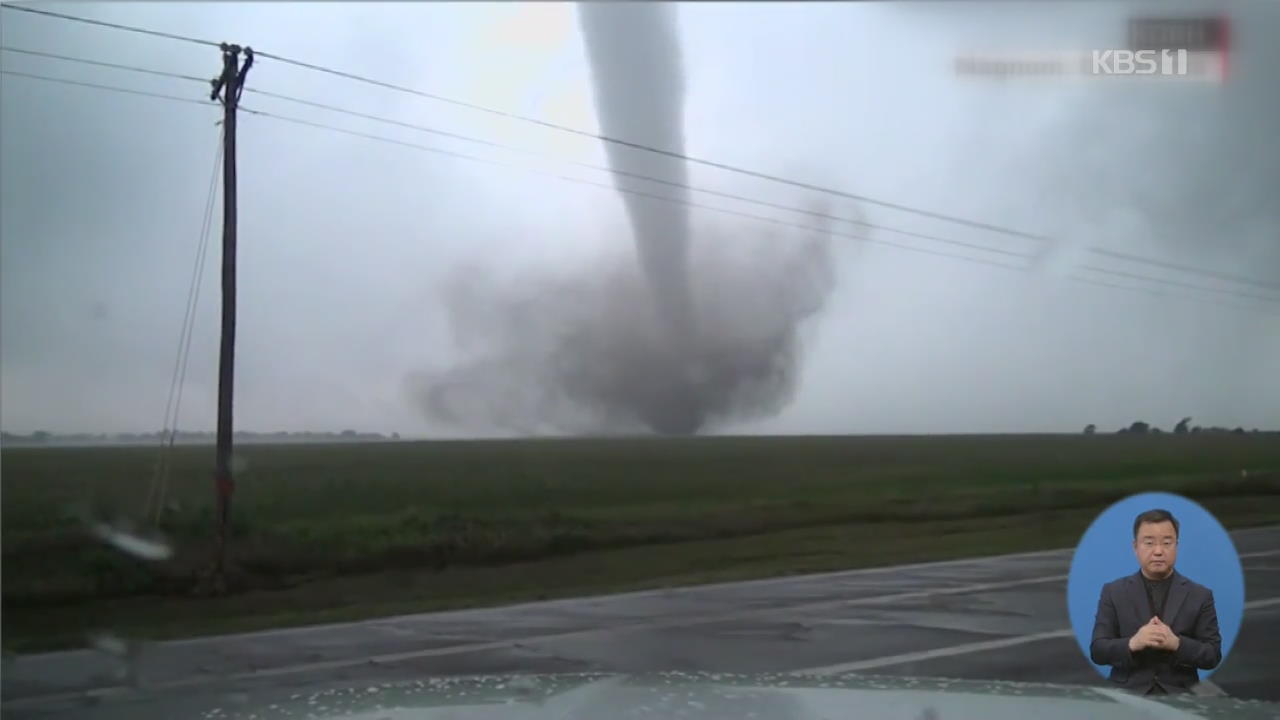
[(346, 243)]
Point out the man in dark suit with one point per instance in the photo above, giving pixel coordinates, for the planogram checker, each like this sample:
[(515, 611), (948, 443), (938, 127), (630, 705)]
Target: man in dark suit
[(1156, 627)]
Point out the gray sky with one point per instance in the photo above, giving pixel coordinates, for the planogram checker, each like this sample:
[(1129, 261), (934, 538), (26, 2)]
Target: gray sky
[(346, 243)]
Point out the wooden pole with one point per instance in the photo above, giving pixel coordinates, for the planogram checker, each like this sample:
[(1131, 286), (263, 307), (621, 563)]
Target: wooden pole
[(231, 84)]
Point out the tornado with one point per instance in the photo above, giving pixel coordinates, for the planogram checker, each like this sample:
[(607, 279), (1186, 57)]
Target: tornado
[(697, 326), (639, 96), (638, 84)]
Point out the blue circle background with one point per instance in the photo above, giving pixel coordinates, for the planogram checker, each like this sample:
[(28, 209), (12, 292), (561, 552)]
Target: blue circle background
[(1205, 554)]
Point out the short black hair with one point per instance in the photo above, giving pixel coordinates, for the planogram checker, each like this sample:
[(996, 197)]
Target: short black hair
[(1154, 516)]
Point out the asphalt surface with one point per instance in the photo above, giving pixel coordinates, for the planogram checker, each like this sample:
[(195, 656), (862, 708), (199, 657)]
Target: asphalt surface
[(998, 618)]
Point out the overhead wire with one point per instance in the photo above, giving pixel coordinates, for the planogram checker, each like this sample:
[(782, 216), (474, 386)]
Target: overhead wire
[(99, 86), (638, 146), (580, 132), (662, 151), (1185, 268), (473, 158), (634, 176), (100, 63), (157, 495), (1177, 283), (697, 205), (764, 203), (629, 191), (113, 26), (1157, 292)]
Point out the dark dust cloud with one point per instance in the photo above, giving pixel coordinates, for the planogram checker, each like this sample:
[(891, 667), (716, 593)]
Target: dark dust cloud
[(698, 329)]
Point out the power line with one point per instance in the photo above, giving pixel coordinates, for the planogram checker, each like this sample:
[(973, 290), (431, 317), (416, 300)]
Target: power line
[(660, 151), (663, 152), (99, 63), (130, 91), (114, 26), (637, 176), (1165, 294), (197, 277), (566, 178), (611, 188), (669, 183), (1144, 290), (565, 128), (624, 173), (632, 145), (1185, 268), (1176, 283), (156, 495), (664, 198), (724, 210)]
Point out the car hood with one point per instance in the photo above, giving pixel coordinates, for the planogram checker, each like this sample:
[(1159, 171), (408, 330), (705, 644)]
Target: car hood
[(707, 696)]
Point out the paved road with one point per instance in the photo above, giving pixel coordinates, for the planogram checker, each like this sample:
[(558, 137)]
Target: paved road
[(987, 618)]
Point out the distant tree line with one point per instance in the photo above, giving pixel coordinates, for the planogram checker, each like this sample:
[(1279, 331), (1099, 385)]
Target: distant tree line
[(43, 437), (1184, 427)]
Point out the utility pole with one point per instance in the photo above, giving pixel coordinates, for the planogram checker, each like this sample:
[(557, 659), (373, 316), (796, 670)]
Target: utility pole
[(230, 84)]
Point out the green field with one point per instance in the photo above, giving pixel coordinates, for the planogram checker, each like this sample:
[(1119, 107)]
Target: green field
[(328, 532)]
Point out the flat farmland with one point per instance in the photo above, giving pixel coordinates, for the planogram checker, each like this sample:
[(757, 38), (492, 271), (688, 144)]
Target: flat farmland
[(341, 531)]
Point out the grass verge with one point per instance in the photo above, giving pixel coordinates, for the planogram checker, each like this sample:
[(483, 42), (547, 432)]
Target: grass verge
[(48, 626)]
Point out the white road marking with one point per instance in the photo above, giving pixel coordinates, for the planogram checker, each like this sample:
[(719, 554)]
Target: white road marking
[(933, 654), (894, 598), (915, 595), (966, 648)]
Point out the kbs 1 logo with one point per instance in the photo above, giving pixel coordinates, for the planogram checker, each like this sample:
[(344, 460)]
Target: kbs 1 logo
[(1169, 47), (1139, 62), (1166, 48)]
